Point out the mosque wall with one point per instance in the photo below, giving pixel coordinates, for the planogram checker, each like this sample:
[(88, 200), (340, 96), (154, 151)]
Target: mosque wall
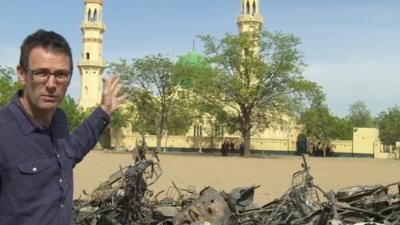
[(365, 143)]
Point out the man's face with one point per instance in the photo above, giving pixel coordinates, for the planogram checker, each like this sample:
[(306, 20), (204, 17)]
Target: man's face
[(41, 94)]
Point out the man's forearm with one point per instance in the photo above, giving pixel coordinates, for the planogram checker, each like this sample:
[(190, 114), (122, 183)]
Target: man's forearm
[(86, 135)]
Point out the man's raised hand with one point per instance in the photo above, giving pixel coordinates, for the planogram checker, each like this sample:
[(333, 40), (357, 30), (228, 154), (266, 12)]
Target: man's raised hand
[(110, 99)]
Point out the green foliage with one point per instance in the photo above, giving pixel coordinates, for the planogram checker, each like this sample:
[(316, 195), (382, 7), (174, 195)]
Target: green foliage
[(319, 124), (75, 114), (196, 77), (145, 112), (8, 86), (181, 117), (359, 115), (340, 129), (315, 120), (119, 118), (389, 125), (154, 99), (192, 71), (256, 80)]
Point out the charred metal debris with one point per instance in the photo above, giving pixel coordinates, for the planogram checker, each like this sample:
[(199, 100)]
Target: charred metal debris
[(124, 199)]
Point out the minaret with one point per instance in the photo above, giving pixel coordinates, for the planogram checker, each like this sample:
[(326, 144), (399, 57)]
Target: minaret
[(91, 64), (250, 19), (249, 23)]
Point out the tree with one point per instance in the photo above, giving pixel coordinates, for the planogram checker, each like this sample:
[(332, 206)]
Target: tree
[(321, 126), (315, 121), (8, 86), (194, 75), (75, 114), (359, 115), (153, 93), (389, 125), (339, 129), (259, 76), (120, 118)]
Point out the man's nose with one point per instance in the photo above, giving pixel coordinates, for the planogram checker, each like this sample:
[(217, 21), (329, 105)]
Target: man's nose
[(51, 82)]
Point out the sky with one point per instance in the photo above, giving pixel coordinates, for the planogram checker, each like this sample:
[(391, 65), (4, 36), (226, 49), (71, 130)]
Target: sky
[(351, 47)]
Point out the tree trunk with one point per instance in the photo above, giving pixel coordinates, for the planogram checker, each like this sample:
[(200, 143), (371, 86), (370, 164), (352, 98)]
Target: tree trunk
[(142, 134), (246, 133), (247, 143), (159, 135)]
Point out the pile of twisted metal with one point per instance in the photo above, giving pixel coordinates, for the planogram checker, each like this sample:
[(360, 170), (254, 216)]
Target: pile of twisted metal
[(124, 199)]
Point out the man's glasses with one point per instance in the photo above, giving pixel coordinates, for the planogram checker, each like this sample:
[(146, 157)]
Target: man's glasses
[(42, 75)]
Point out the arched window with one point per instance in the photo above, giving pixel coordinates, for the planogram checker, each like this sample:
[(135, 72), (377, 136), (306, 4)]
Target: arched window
[(87, 55), (89, 15), (95, 15), (219, 131), (248, 8), (254, 8), (197, 131)]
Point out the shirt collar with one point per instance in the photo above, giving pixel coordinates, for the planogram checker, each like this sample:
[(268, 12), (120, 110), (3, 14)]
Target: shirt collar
[(25, 121)]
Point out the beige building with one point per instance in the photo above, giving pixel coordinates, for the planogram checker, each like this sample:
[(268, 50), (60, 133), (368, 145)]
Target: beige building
[(249, 19), (274, 140), (91, 64)]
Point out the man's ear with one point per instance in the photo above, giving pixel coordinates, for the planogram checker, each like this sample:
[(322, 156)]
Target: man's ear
[(21, 75)]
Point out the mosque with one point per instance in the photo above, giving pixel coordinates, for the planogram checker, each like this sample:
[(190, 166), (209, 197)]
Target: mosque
[(272, 141)]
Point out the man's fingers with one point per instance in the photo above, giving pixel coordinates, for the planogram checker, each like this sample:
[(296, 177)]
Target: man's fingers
[(122, 98), (114, 81), (111, 88), (117, 89), (106, 84), (111, 83)]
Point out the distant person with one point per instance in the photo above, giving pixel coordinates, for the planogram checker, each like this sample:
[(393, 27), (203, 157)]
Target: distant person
[(241, 148), (232, 147), (321, 149), (318, 149), (328, 150), (311, 151), (226, 148), (37, 152)]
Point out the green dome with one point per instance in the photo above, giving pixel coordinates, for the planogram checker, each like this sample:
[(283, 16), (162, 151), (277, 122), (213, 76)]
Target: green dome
[(194, 60), (192, 69)]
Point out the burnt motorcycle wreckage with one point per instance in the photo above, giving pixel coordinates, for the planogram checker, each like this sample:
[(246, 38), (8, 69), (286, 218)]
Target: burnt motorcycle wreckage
[(124, 199)]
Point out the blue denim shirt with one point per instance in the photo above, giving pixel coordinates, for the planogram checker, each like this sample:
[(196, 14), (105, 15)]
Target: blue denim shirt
[(36, 164)]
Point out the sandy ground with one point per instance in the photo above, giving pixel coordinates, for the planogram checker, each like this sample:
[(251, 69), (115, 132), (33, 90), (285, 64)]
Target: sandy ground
[(225, 173)]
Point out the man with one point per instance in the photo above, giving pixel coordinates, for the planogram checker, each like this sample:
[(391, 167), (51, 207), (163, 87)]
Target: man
[(241, 148), (37, 153)]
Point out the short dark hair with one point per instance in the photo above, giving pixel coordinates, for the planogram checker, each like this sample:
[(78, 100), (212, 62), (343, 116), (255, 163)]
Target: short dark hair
[(48, 40)]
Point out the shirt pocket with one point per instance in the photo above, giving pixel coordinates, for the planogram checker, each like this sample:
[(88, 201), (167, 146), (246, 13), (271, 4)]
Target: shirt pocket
[(33, 167), (33, 173)]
